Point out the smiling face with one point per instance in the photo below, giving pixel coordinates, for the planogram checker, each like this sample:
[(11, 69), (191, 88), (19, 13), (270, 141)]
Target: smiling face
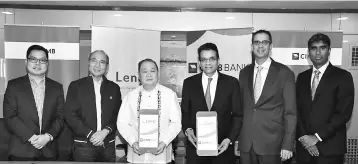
[(148, 73), (98, 64), (36, 63), (208, 62), (261, 46), (319, 54)]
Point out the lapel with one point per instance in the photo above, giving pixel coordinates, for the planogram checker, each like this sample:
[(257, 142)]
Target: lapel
[(323, 82), (200, 90), (104, 96), (251, 82), (46, 109), (307, 85), (270, 79), (220, 88), (30, 96), (88, 92)]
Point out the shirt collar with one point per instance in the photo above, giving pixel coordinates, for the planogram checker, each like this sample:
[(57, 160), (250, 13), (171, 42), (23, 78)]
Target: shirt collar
[(265, 65), (322, 69), (156, 88), (215, 76), (97, 82), (32, 79)]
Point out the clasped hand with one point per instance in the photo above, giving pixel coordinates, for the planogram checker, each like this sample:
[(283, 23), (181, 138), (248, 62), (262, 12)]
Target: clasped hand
[(159, 150), (98, 137), (39, 141), (309, 143)]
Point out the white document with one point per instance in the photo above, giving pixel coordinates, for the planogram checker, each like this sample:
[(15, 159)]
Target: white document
[(207, 133), (148, 131)]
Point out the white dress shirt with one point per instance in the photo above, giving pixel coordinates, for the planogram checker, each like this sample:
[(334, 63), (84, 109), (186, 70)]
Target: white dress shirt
[(321, 70), (170, 121), (265, 68), (38, 90), (97, 91), (213, 84)]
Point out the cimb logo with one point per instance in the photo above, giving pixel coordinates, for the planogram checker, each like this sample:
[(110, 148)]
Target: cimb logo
[(298, 56), (192, 67)]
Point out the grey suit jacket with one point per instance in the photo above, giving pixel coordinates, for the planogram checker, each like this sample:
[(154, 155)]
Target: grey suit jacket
[(269, 125)]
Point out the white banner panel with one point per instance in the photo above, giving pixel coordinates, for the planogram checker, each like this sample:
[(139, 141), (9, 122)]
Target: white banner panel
[(234, 50), (298, 56), (125, 48), (61, 42), (57, 51)]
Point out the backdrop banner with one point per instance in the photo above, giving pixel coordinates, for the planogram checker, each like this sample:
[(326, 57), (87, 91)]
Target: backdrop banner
[(61, 42)]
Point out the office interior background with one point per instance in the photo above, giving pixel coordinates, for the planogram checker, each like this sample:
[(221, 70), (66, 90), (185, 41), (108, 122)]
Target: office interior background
[(190, 16)]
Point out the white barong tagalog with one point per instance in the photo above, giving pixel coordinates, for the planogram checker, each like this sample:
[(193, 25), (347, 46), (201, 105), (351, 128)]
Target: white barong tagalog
[(170, 121)]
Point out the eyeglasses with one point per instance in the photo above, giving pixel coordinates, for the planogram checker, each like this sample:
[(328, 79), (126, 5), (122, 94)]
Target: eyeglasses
[(212, 59), (35, 60), (102, 63), (264, 42)]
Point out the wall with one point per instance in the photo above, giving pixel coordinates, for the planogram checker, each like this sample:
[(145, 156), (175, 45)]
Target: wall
[(181, 21)]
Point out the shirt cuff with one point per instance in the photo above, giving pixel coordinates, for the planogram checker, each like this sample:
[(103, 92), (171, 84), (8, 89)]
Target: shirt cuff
[(186, 134), (319, 138), (109, 129), (51, 137), (89, 135), (31, 138)]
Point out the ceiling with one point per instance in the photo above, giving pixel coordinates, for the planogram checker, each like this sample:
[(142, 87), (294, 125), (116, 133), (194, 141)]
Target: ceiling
[(199, 4)]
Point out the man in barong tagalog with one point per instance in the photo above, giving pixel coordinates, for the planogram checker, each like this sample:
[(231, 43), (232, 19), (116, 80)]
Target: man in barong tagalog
[(150, 95)]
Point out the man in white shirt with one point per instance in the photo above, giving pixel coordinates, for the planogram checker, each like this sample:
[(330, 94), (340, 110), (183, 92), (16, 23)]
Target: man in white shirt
[(211, 91), (269, 103), (150, 95), (91, 111), (325, 99)]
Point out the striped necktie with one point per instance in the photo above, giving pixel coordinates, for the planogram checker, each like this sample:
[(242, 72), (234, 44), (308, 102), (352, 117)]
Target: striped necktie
[(258, 85), (315, 83), (207, 94)]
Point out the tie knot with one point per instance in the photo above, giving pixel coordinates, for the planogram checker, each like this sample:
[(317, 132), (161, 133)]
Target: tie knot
[(317, 72), (210, 79), (259, 68)]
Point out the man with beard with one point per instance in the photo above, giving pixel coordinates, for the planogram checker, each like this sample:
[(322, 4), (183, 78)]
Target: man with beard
[(325, 98), (269, 104), (215, 92), (91, 110), (33, 110)]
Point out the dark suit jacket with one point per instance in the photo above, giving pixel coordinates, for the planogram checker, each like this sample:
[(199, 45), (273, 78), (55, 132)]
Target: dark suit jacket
[(80, 108), (328, 113), (20, 114), (269, 125), (227, 104)]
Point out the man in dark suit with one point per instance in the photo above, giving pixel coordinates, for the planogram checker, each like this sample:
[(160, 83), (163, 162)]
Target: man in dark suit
[(33, 110), (269, 103), (91, 110), (325, 98), (211, 91)]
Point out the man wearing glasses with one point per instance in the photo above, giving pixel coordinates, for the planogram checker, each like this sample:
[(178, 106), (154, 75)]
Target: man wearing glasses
[(215, 92), (269, 104), (33, 110), (91, 110)]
